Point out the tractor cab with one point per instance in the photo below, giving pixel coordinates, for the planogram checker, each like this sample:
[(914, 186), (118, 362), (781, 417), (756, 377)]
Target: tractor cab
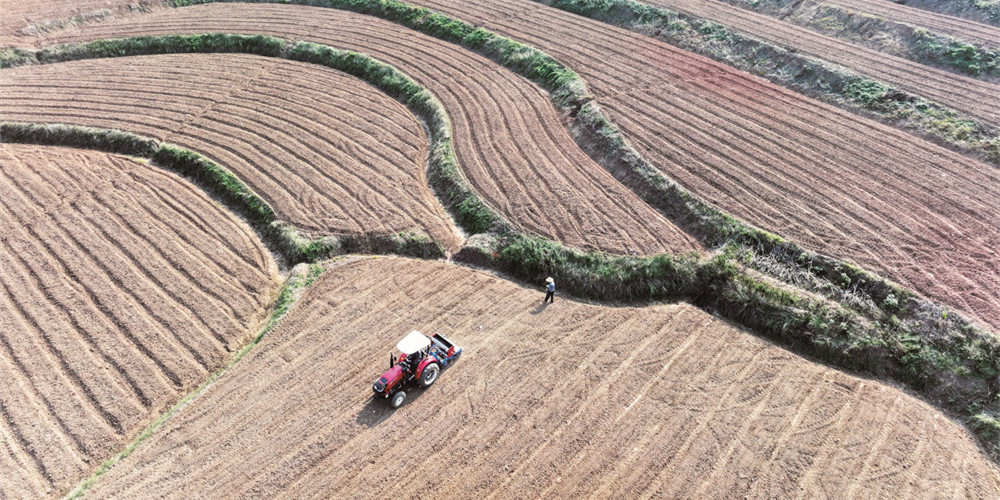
[(413, 347), (420, 359)]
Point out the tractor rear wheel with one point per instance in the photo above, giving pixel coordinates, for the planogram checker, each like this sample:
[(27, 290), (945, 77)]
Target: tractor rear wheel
[(398, 399), (430, 374)]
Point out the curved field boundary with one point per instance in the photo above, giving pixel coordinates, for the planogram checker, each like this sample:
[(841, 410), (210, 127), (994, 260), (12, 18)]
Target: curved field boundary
[(330, 154), (299, 279), (981, 34), (121, 287), (595, 132), (24, 20), (971, 96), (836, 182), (566, 401), (740, 160), (975, 10), (513, 146), (813, 77), (940, 41), (891, 338), (217, 180)]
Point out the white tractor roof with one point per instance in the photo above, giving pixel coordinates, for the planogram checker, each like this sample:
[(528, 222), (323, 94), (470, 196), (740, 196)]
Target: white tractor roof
[(413, 342)]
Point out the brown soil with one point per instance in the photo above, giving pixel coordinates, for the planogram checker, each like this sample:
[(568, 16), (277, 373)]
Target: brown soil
[(974, 97), (121, 287), (511, 143), (23, 20), (559, 401), (330, 153), (976, 11), (837, 183), (963, 29)]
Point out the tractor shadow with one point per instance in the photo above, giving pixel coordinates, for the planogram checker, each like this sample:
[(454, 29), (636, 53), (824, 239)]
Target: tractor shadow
[(378, 410)]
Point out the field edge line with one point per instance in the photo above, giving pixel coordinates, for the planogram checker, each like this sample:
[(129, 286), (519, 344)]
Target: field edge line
[(299, 280)]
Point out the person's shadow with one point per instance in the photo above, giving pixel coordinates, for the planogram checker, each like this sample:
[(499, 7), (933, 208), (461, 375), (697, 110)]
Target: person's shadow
[(541, 307)]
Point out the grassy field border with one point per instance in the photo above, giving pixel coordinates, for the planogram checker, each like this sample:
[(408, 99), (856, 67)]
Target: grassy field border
[(289, 243), (807, 75), (859, 320), (947, 360), (296, 284), (982, 11), (917, 44)]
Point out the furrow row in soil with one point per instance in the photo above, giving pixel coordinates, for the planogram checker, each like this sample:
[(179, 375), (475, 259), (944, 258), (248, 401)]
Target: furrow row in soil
[(974, 97), (516, 414), (22, 22), (510, 142), (963, 29), (107, 314), (334, 157), (900, 206)]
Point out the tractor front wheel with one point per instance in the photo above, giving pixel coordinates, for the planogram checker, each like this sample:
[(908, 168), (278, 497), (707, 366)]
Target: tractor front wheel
[(430, 374), (398, 399)]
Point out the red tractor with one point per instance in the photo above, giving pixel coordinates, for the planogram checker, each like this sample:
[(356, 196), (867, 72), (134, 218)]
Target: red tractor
[(420, 360)]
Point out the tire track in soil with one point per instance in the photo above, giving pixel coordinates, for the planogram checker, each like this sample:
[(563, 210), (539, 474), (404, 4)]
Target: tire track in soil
[(16, 370), (85, 371), (669, 366), (604, 208), (195, 278)]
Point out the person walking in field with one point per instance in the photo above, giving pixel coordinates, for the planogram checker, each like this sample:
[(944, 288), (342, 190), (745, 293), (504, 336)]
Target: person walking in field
[(550, 291)]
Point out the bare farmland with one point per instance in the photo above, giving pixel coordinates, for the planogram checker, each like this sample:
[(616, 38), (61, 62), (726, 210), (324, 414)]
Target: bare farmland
[(330, 153), (560, 401), (121, 287), (511, 143)]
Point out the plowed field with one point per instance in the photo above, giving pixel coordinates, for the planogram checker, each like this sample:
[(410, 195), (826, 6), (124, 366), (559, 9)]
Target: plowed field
[(558, 402), (510, 141), (963, 29), (835, 182), (121, 287), (330, 153), (969, 95), (22, 20)]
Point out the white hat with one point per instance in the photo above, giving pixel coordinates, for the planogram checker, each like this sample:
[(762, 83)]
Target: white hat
[(549, 280)]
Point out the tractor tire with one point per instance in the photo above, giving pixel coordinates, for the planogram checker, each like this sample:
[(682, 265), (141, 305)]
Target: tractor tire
[(430, 374), (398, 399)]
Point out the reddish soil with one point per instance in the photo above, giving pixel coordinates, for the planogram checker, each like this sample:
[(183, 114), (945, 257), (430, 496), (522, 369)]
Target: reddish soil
[(24, 19), (560, 402), (121, 287), (963, 29), (331, 154), (969, 95), (511, 143), (837, 183)]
